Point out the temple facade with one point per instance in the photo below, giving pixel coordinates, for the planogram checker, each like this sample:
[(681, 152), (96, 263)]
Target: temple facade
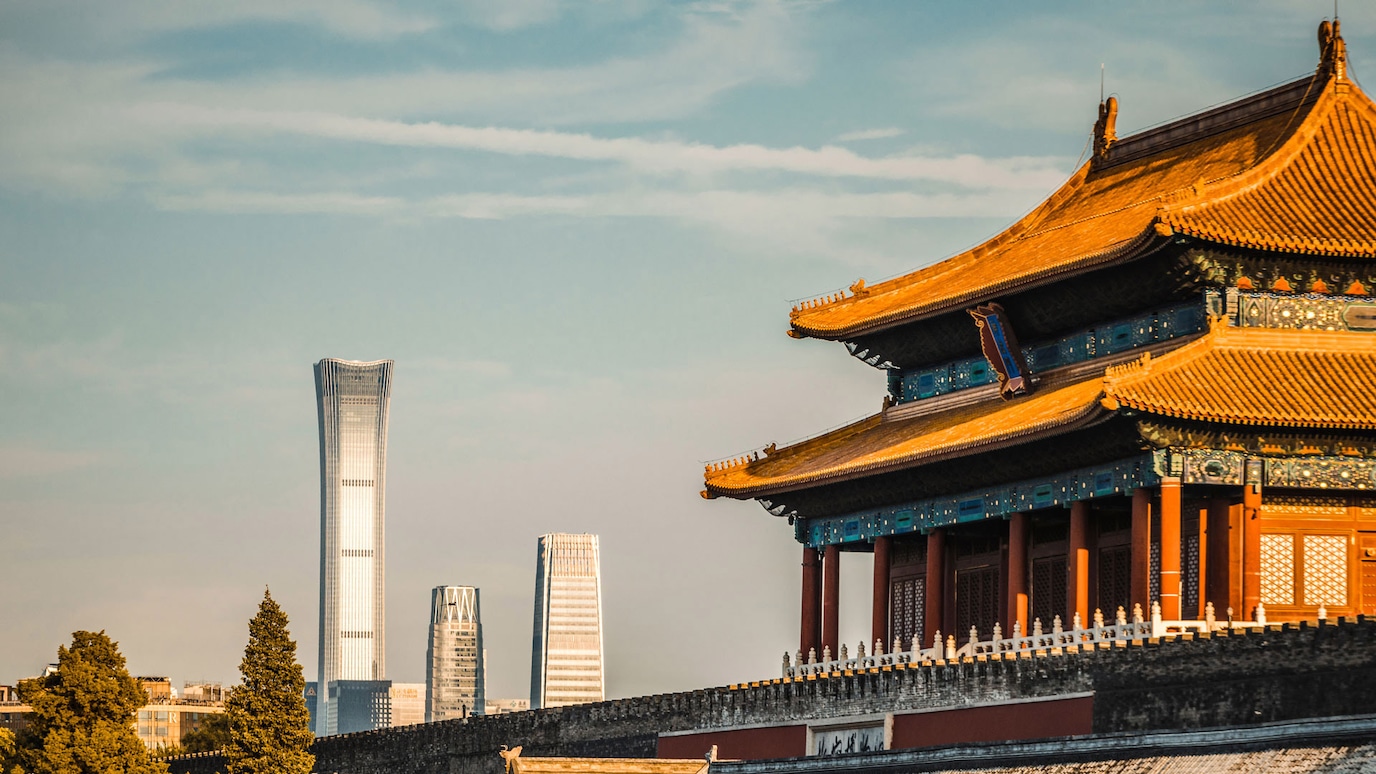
[(1149, 393)]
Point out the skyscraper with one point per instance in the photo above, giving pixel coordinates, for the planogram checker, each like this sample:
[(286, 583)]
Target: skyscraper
[(454, 672), (352, 401), (566, 649)]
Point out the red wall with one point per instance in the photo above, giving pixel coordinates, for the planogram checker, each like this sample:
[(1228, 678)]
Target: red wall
[(1003, 722), (746, 744)]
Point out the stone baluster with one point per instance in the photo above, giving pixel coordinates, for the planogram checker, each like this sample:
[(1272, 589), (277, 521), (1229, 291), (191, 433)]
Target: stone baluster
[(1137, 612), (1075, 622), (878, 648), (844, 653), (917, 645), (1036, 627), (951, 647), (1056, 627), (826, 653), (1155, 613), (936, 644), (1098, 618), (811, 656), (786, 664), (998, 633), (1261, 614), (1209, 619), (1122, 617), (1323, 612), (1017, 630), (898, 644)]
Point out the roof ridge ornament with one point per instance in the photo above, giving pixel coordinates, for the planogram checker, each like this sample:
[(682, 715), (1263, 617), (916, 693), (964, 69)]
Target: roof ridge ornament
[(1332, 49), (1105, 129)]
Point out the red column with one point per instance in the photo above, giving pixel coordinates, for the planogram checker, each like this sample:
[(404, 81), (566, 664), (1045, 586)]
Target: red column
[(934, 603), (879, 610), (1251, 549), (831, 600), (1017, 573), (1140, 593), (811, 635), (1217, 568), (1170, 548), (1077, 565)]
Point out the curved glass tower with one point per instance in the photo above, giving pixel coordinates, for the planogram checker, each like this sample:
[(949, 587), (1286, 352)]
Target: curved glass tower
[(352, 401)]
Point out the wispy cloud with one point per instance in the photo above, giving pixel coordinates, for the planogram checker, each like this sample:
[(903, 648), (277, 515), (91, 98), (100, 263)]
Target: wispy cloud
[(655, 156), (870, 134)]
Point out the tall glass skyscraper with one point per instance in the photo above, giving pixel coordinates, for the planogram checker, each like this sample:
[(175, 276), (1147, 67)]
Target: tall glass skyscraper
[(454, 670), (352, 401), (566, 649)]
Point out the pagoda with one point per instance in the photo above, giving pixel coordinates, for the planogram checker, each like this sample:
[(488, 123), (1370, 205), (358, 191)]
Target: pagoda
[(1149, 391)]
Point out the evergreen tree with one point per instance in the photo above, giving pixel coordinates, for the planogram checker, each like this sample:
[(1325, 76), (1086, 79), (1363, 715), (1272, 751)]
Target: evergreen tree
[(269, 727), (82, 718)]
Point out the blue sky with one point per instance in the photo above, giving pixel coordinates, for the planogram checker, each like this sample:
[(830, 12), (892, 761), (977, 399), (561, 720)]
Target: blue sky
[(576, 228)]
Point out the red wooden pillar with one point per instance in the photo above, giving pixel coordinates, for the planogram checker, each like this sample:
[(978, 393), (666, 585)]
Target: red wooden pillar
[(1077, 565), (1218, 580), (1017, 573), (879, 610), (1140, 592), (934, 604), (1251, 549), (831, 600), (1170, 548), (810, 637)]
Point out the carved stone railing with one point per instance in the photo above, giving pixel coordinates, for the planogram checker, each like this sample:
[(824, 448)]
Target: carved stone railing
[(1058, 640)]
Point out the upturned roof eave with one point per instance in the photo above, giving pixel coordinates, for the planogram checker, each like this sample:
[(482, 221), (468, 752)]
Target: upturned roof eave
[(1089, 415)]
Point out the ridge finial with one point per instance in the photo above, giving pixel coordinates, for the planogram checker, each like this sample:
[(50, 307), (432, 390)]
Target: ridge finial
[(1105, 129), (1332, 49)]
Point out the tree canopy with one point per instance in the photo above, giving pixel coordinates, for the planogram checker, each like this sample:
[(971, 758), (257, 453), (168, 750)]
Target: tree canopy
[(269, 726), (82, 715), (211, 735)]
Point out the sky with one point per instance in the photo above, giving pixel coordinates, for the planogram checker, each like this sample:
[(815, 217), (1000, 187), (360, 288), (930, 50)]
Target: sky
[(576, 227)]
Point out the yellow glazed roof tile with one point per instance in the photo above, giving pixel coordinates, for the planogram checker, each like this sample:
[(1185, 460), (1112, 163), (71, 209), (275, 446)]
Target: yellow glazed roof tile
[(873, 446), (1249, 376), (1256, 376), (1301, 180)]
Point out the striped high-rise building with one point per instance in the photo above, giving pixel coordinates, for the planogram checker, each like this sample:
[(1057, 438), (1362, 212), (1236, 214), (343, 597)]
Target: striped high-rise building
[(352, 401), (566, 654), (454, 673)]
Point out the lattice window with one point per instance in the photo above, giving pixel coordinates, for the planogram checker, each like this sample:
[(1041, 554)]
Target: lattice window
[(977, 602), (1277, 569), (1115, 580), (1325, 570), (1153, 575), (909, 598), (1048, 590), (1189, 581)]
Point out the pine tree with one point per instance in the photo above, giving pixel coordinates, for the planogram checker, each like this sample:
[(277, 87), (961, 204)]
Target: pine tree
[(82, 718), (269, 726)]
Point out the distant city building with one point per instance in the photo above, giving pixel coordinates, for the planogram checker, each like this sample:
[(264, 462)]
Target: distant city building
[(454, 669), (505, 706), (408, 704), (566, 652), (352, 404), (167, 717), (13, 712), (359, 705), (312, 696)]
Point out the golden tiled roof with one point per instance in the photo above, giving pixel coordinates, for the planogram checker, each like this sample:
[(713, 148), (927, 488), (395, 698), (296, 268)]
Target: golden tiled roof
[(1299, 179), (1256, 376), (872, 446), (1250, 376), (607, 766)]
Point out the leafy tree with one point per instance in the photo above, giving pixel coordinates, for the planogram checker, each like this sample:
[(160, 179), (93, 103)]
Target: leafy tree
[(82, 718), (211, 734), (269, 726), (6, 749)]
